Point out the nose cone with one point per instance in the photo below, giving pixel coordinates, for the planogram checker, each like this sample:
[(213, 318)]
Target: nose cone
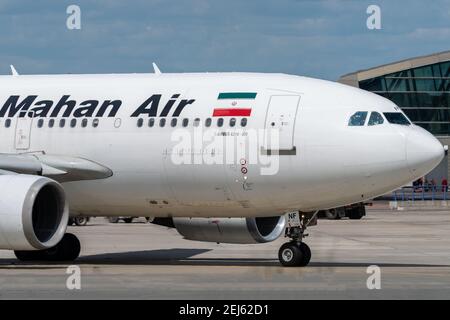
[(423, 151)]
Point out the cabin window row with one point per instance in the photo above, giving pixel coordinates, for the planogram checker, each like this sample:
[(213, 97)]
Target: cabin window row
[(60, 123), (63, 122), (196, 123)]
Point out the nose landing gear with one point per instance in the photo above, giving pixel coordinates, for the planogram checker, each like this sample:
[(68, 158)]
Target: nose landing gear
[(296, 253)]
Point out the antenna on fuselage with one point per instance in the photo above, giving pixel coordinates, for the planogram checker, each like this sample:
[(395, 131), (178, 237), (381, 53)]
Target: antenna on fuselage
[(156, 69), (13, 71)]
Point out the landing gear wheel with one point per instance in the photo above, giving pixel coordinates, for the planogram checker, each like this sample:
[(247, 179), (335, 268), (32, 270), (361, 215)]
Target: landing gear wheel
[(356, 213), (81, 221), (128, 220), (113, 220), (290, 255), (332, 214), (29, 255), (306, 251), (68, 249)]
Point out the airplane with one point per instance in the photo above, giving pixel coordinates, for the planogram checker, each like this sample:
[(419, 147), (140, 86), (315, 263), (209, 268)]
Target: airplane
[(222, 157)]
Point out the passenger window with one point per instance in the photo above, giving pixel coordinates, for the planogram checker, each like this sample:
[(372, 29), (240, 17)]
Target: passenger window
[(358, 119), (375, 119), (62, 123), (51, 123), (220, 122), (173, 123), (140, 122), (73, 123), (208, 122), (84, 123), (196, 122), (151, 122), (243, 122), (95, 123), (162, 122), (232, 122), (8, 123), (185, 122), (40, 123)]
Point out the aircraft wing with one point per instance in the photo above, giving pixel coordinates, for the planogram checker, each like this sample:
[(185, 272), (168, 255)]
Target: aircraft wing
[(56, 167)]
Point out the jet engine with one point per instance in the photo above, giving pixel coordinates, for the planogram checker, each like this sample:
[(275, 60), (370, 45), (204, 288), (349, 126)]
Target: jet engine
[(227, 230), (33, 212)]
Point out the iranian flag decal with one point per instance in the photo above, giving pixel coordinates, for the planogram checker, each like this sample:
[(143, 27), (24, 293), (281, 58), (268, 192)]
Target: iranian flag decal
[(234, 104)]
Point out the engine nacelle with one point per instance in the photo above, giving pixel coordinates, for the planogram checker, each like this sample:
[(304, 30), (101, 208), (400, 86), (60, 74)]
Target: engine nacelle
[(231, 230), (33, 212)]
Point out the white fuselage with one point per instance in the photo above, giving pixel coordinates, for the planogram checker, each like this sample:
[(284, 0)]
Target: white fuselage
[(322, 163)]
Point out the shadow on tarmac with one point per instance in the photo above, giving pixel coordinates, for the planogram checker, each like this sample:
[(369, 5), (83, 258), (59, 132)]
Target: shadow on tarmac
[(184, 256)]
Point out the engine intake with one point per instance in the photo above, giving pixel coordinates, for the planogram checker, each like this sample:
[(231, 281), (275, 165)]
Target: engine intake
[(231, 230), (33, 212)]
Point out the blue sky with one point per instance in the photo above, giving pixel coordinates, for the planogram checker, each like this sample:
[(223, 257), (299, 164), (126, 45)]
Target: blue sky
[(323, 39)]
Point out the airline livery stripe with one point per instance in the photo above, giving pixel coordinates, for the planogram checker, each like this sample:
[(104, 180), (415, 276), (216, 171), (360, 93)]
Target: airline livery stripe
[(228, 112), (237, 95)]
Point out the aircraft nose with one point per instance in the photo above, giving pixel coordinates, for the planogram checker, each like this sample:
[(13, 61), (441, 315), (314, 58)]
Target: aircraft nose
[(423, 151)]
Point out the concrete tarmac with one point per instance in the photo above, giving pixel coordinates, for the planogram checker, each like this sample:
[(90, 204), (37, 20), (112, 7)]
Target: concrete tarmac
[(143, 261)]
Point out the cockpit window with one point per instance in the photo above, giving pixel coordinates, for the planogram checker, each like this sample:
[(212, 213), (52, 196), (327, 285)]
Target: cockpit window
[(358, 119), (375, 119), (397, 118)]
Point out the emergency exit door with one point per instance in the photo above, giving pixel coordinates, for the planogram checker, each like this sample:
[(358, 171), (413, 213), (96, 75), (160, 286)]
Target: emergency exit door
[(280, 121), (23, 131)]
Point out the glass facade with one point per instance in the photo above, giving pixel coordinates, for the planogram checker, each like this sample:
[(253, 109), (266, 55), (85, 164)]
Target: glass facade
[(423, 94)]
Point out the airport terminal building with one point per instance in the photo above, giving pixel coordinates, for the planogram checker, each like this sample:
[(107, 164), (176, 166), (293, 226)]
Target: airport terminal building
[(421, 88)]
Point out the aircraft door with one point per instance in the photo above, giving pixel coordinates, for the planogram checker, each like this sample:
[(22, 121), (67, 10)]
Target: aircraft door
[(281, 115), (23, 131)]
